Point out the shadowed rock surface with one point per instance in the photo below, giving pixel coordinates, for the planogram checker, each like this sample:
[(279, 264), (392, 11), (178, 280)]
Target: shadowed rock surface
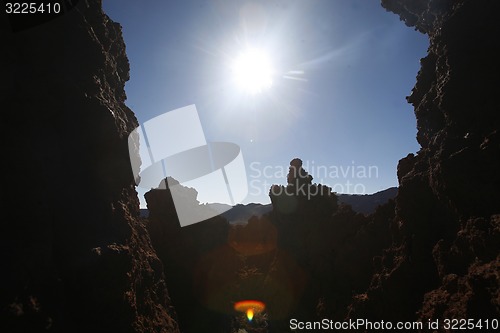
[(75, 257), (335, 247), (211, 265), (445, 262), (189, 254), (305, 259)]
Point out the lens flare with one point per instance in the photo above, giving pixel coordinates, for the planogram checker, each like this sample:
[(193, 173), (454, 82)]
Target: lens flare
[(250, 314), (250, 307)]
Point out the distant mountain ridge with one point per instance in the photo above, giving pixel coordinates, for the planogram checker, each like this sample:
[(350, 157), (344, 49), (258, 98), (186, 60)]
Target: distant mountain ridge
[(360, 203), (368, 203), (241, 213)]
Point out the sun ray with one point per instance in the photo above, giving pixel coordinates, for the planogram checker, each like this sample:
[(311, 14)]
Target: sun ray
[(294, 78)]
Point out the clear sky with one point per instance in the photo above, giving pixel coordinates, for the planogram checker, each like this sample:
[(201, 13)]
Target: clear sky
[(341, 70)]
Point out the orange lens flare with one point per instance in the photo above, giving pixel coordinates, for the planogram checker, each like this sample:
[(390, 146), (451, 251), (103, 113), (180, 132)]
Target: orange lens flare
[(250, 307), (250, 314)]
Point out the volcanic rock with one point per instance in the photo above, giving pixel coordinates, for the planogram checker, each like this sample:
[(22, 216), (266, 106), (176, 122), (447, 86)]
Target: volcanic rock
[(76, 257), (444, 263)]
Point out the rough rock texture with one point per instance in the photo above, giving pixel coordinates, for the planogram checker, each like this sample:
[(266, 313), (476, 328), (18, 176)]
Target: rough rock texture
[(336, 249), (306, 259), (75, 257), (445, 262), (211, 265), (189, 255)]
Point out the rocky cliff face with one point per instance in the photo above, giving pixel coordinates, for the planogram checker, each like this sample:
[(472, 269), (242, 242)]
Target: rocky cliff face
[(75, 257), (211, 265), (194, 257), (336, 248), (446, 264), (305, 259)]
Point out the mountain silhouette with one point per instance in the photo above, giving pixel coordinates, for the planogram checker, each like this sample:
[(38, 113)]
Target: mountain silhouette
[(367, 203)]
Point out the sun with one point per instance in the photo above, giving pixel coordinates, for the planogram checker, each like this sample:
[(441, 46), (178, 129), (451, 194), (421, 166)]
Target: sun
[(253, 70)]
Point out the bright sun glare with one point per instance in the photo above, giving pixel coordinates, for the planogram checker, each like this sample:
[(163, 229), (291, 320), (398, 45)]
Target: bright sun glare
[(253, 71)]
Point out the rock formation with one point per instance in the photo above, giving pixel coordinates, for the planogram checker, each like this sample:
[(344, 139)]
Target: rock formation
[(446, 262), (75, 257), (189, 255), (210, 265), (333, 246)]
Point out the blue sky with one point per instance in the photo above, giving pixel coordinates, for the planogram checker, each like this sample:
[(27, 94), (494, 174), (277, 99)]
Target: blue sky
[(342, 69)]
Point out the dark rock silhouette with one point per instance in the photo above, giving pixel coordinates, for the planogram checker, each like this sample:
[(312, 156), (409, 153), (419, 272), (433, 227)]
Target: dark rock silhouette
[(297, 176), (333, 245), (302, 193), (360, 203), (241, 213), (302, 263), (211, 265), (75, 257), (445, 260), (189, 254)]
